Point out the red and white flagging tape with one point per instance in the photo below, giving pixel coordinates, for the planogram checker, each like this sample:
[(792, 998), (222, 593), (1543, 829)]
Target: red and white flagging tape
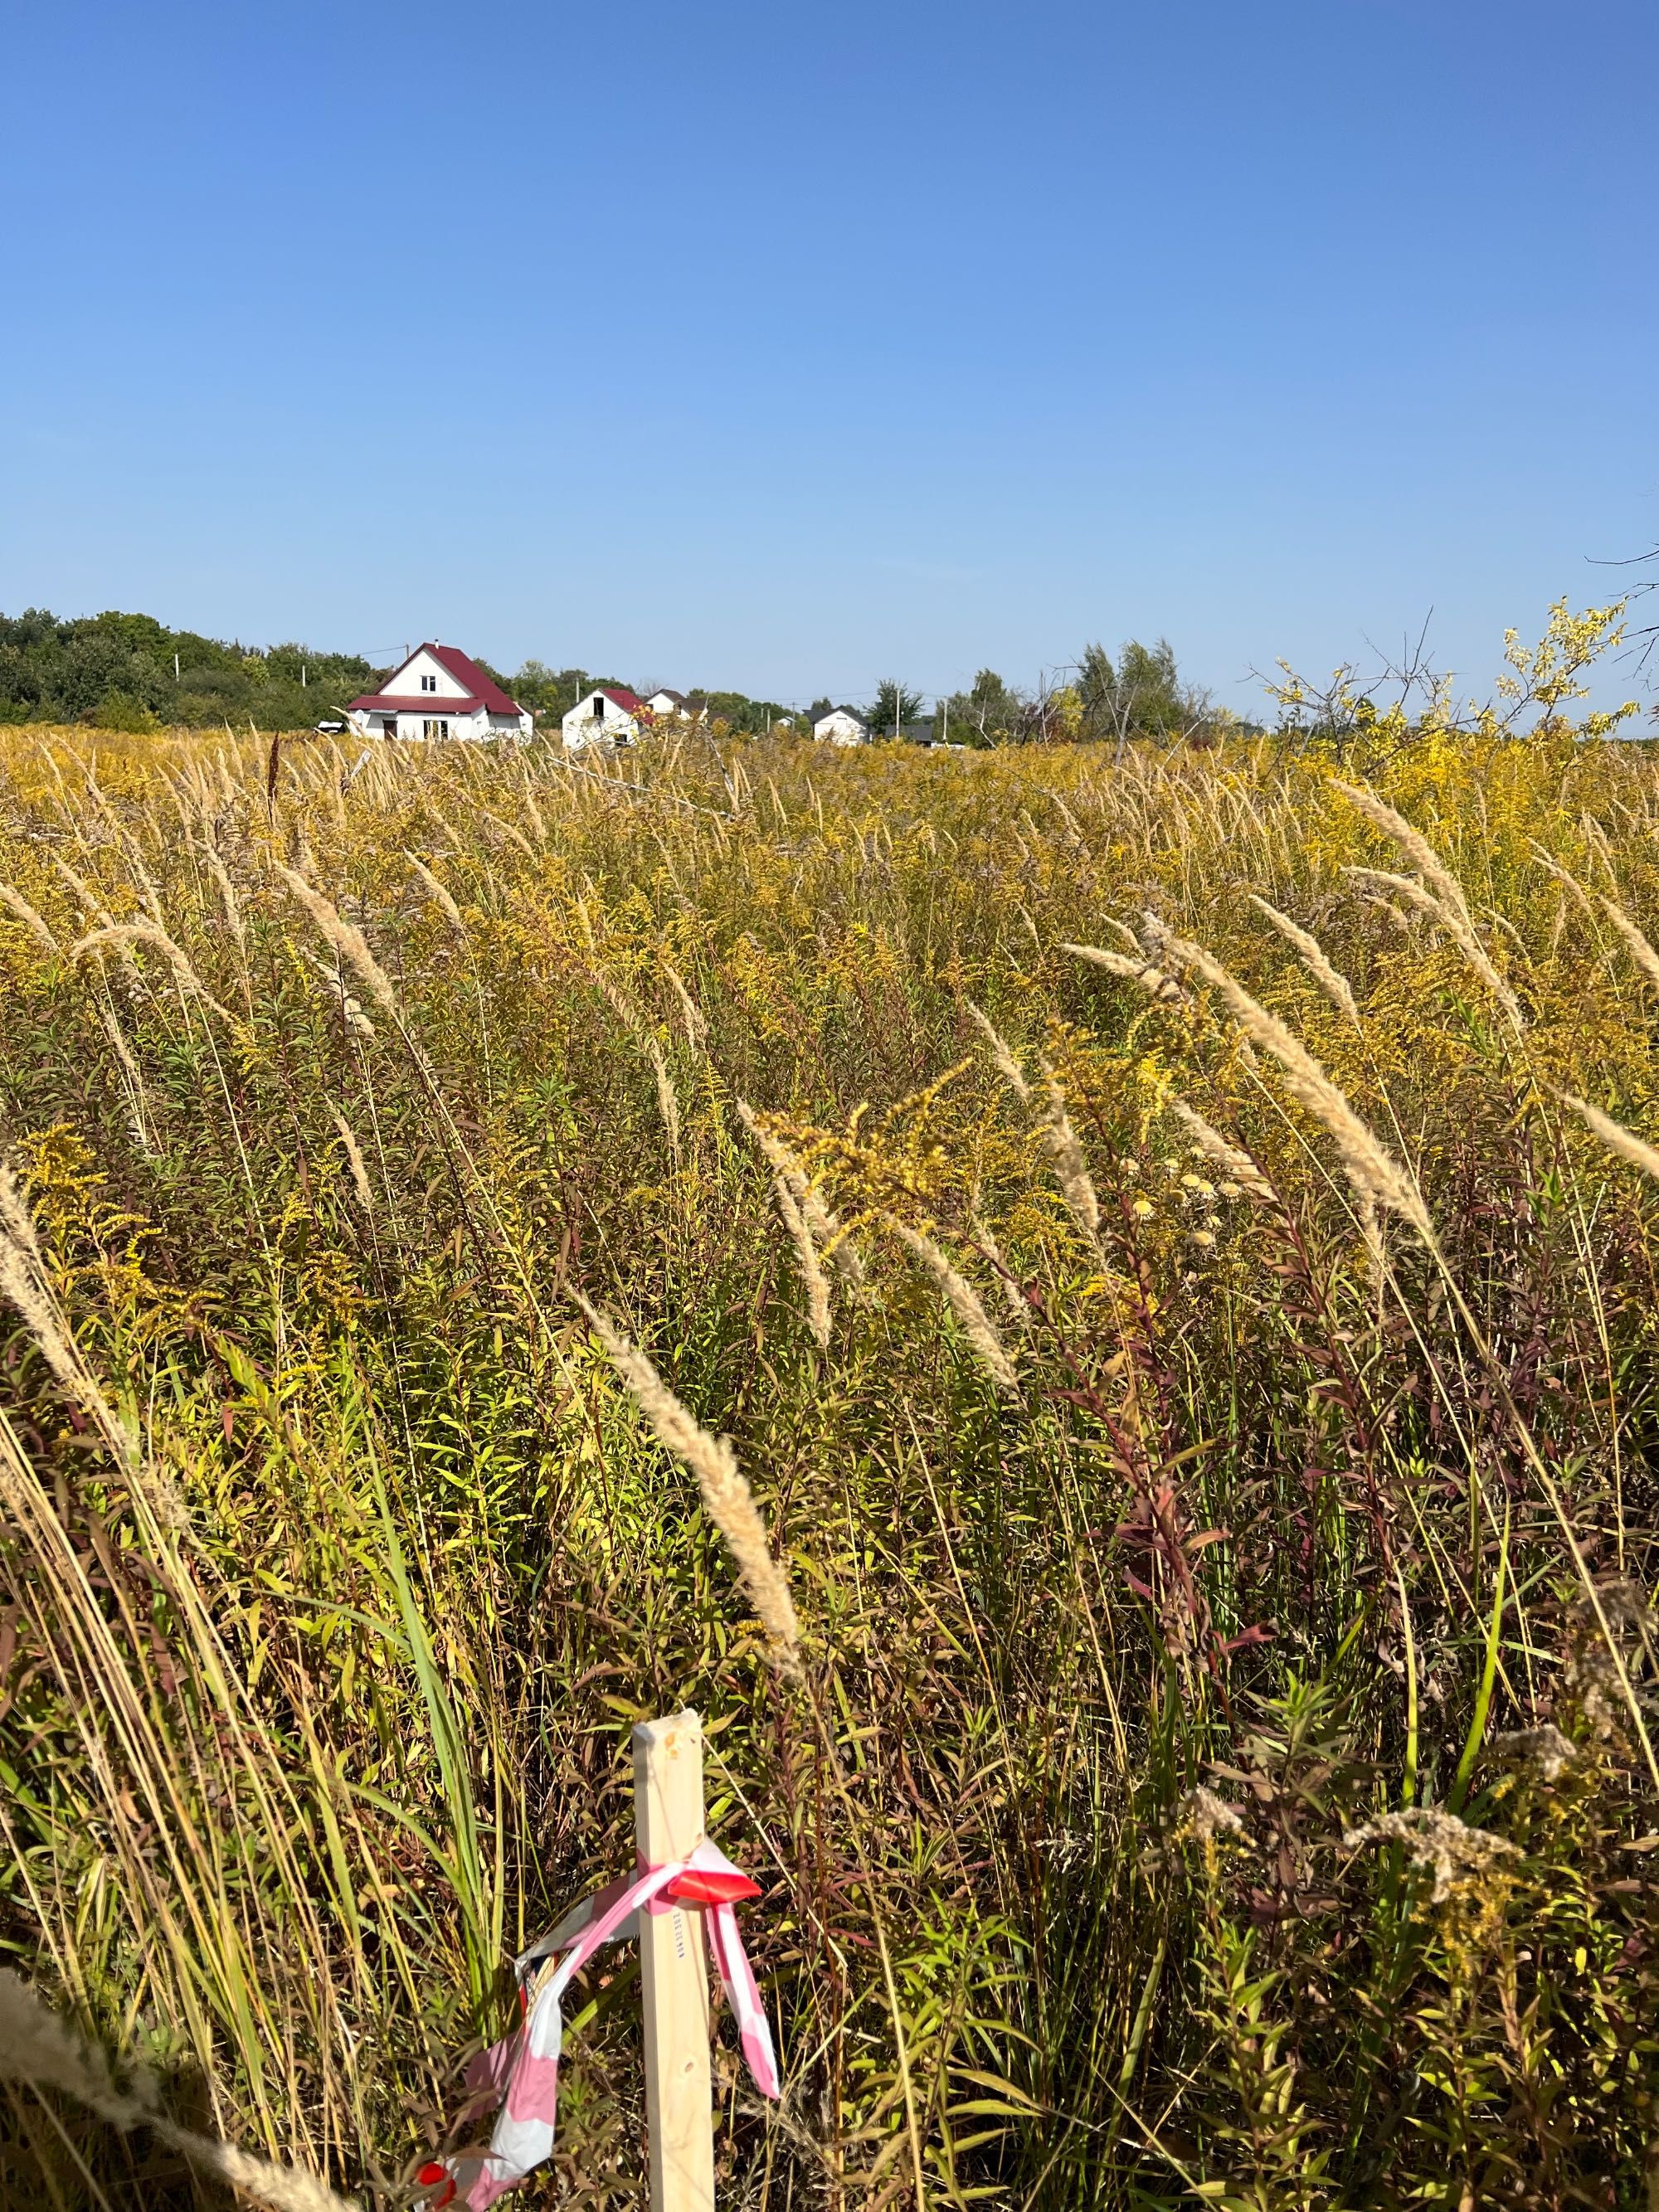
[(523, 2068)]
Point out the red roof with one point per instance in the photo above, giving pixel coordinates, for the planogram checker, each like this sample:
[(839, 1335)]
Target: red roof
[(482, 691), (392, 703), (619, 696)]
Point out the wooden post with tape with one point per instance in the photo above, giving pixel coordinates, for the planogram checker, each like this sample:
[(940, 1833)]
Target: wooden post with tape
[(668, 1817)]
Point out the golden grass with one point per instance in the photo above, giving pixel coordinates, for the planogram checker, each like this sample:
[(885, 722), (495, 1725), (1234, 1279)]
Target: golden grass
[(1097, 1519)]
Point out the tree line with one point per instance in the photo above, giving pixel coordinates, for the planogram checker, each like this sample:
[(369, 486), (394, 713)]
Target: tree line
[(130, 671)]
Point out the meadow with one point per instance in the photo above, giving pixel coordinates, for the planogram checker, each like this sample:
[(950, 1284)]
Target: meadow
[(1189, 1695)]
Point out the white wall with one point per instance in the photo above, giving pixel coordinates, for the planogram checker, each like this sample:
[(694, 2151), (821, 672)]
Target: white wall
[(407, 681), (611, 725), (841, 729), (370, 722)]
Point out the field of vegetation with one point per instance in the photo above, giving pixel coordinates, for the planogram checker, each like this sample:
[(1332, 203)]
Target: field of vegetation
[(1171, 1241)]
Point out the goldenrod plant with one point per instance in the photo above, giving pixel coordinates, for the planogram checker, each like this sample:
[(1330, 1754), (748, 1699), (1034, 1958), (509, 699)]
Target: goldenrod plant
[(1091, 1307)]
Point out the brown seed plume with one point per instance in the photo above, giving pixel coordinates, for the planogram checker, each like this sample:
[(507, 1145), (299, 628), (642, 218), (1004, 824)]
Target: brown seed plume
[(963, 1301), (1371, 1171), (726, 1496)]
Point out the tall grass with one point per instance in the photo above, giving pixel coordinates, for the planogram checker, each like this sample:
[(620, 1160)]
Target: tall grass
[(1187, 1686)]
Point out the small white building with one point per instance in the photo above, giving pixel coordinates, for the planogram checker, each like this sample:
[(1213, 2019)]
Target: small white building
[(439, 692), (842, 726), (609, 715), (676, 705)]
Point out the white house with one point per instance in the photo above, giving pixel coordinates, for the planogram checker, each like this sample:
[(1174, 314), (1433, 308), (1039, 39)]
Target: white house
[(676, 705), (439, 692), (607, 716), (842, 726)]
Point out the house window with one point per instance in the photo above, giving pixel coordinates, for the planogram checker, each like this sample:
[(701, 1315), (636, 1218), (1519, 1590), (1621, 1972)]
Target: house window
[(599, 708), (428, 684), (431, 729)]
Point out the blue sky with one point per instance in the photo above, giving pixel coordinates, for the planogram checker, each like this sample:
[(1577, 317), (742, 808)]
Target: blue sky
[(787, 348)]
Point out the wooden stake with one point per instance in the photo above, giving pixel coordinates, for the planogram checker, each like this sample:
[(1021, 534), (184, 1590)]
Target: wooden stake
[(668, 1818)]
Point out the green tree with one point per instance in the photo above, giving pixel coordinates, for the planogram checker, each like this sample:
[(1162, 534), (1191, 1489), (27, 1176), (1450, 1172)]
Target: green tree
[(894, 705), (991, 714), (1142, 695)]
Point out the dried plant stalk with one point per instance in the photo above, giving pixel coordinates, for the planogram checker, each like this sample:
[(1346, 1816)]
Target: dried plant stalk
[(1371, 1171), (349, 941), (440, 893), (727, 1498), (1007, 1067), (1065, 1151), (30, 921), (1330, 980), (1613, 1134), (40, 2050), (1146, 974), (1237, 1165), (963, 1301)]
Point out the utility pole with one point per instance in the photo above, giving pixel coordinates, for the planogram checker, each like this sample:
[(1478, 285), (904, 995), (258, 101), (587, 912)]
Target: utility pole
[(175, 668)]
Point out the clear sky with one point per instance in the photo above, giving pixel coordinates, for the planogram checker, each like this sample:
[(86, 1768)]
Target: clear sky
[(785, 348)]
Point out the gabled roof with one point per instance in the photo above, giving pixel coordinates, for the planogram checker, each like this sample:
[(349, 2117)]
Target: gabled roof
[(852, 714), (620, 696), (482, 691), (471, 678), (429, 702), (663, 691)]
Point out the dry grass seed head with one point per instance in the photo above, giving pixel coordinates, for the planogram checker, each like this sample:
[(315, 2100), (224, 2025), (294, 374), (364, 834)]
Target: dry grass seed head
[(30, 921), (123, 935), (365, 1190), (40, 2051), (1371, 1171), (1131, 968), (1065, 1151), (963, 1301), (1237, 1166), (440, 895), (1640, 950), (788, 1186), (1613, 1134), (1448, 904), (696, 1026), (348, 941), (729, 1500), (1007, 1067), (831, 1238), (1330, 980)]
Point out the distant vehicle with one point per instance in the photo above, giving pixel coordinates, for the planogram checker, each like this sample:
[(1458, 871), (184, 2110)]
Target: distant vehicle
[(330, 729)]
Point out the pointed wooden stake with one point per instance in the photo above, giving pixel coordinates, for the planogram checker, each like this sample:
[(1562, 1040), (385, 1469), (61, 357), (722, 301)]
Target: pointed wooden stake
[(668, 1816)]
